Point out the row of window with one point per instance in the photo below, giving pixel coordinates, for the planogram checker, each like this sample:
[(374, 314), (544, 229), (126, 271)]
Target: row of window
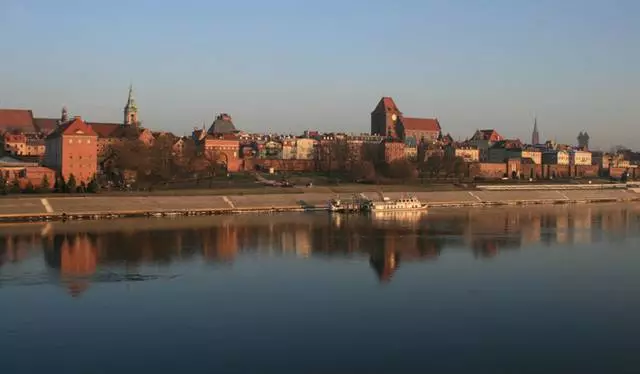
[(79, 141), (82, 166)]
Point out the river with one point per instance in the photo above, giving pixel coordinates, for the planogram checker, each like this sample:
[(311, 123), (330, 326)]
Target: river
[(496, 290)]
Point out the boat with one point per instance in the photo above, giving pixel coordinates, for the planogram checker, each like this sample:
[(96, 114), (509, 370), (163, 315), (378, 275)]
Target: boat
[(357, 204), (411, 203)]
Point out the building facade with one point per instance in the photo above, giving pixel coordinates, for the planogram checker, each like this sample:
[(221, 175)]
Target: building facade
[(306, 149), (553, 157), (72, 149), (580, 158)]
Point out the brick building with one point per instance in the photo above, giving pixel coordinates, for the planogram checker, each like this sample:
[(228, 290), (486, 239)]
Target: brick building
[(72, 149), (221, 143), (224, 149), (393, 151), (387, 120), (13, 169)]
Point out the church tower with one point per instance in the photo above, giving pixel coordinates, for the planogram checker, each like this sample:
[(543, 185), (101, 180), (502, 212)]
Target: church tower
[(535, 136), (583, 140), (386, 118), (131, 110)]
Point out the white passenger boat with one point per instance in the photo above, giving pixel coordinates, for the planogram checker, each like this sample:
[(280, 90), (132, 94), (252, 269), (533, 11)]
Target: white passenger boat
[(402, 204)]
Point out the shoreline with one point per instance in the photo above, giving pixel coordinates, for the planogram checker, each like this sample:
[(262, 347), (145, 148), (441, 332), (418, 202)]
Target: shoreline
[(30, 209)]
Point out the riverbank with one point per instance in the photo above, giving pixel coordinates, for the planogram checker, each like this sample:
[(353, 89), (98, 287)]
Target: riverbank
[(97, 206)]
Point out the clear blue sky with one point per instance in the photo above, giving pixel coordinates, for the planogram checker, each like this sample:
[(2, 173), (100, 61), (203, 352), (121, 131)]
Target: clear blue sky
[(290, 65)]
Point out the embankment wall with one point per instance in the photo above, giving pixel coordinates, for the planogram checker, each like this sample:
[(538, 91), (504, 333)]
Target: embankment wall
[(33, 208)]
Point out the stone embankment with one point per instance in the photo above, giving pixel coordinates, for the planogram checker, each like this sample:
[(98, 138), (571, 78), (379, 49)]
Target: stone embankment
[(97, 206)]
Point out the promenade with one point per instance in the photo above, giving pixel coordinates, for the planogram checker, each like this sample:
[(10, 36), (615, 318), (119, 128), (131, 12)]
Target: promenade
[(99, 206)]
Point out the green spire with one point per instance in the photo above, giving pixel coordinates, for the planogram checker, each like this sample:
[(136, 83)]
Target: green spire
[(131, 102)]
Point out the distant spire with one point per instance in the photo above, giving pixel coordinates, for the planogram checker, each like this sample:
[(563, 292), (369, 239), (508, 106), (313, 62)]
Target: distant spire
[(131, 101), (64, 116), (535, 135)]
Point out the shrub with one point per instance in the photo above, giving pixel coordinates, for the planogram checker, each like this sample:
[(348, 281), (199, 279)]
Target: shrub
[(71, 183)]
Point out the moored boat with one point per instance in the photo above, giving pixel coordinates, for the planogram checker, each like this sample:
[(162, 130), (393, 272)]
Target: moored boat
[(357, 204), (411, 203)]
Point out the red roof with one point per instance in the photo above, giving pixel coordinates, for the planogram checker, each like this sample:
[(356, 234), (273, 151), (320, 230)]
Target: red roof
[(16, 119), (45, 125), (421, 124), (74, 127), (386, 104), (490, 135), (14, 138), (104, 130)]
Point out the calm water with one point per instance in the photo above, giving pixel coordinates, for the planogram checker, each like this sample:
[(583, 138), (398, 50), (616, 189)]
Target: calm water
[(522, 290)]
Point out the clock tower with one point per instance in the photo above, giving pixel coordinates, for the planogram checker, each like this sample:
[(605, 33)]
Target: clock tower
[(386, 118)]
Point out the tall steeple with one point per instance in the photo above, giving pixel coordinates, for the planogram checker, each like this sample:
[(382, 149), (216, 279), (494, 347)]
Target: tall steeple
[(535, 136), (64, 115), (131, 110)]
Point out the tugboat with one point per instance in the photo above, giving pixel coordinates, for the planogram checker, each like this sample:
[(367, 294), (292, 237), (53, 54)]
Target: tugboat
[(402, 204)]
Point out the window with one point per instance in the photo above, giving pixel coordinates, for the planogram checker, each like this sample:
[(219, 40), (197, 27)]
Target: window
[(88, 141), (70, 141)]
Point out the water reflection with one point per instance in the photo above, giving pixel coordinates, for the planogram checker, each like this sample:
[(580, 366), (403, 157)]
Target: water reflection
[(78, 253)]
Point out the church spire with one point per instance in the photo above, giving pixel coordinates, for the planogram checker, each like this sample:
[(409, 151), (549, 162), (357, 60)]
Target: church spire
[(131, 109), (535, 136)]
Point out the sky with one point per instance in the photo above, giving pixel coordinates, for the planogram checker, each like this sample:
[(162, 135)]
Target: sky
[(286, 66)]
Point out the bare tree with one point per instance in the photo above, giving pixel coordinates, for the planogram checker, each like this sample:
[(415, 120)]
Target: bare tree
[(364, 171), (212, 162), (401, 169), (433, 166)]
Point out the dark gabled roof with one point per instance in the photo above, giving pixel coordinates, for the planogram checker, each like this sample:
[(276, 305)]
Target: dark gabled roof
[(386, 105), (222, 125), (487, 134), (45, 125)]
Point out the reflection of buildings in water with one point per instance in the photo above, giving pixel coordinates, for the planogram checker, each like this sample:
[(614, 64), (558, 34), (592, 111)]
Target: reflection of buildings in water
[(15, 249), (220, 244), (582, 226), (484, 248), (562, 228), (303, 242), (486, 232), (385, 263), (75, 256), (530, 229), (616, 221)]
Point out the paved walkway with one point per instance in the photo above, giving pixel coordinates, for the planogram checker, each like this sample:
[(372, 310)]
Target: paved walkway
[(12, 207)]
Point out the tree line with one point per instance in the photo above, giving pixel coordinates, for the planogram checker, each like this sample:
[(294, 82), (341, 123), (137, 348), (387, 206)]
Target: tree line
[(15, 185), (366, 161), (160, 162)]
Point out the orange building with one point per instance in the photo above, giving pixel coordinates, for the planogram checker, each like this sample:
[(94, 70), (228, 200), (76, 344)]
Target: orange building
[(72, 149)]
